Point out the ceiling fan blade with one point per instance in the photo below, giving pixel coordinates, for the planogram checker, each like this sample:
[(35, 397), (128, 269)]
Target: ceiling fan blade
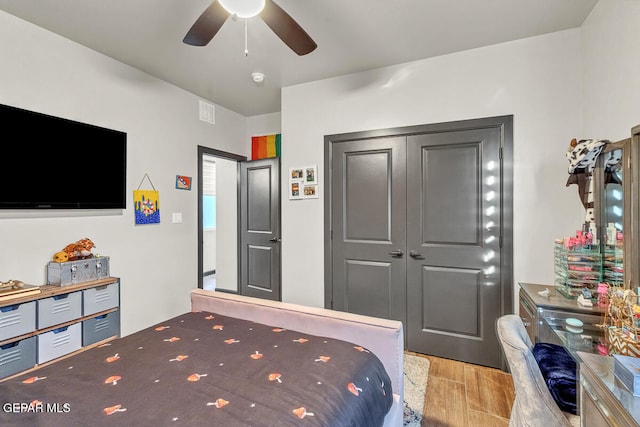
[(287, 29), (207, 25)]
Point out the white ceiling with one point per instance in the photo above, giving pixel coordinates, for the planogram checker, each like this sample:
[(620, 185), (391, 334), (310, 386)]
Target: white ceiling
[(352, 36)]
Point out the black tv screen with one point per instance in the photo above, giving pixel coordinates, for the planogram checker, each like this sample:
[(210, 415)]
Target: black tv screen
[(54, 163)]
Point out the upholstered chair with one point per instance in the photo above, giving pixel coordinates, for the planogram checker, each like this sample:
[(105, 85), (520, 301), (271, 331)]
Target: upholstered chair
[(534, 406)]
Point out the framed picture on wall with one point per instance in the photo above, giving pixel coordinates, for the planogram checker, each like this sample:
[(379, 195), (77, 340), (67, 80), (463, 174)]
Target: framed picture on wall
[(183, 182), (310, 175), (303, 183)]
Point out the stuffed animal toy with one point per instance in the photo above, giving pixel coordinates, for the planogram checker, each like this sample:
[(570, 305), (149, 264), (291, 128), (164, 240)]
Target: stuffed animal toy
[(61, 256), (79, 250)]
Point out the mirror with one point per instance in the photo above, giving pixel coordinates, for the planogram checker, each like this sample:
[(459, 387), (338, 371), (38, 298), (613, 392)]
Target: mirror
[(611, 223), (613, 201)]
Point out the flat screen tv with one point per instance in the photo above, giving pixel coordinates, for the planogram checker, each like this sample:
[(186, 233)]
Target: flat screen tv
[(54, 163)]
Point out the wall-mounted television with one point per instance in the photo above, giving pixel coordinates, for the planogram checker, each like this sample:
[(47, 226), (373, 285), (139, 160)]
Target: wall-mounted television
[(49, 162)]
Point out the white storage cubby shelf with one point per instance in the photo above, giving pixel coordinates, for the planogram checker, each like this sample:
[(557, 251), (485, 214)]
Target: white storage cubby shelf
[(61, 320)]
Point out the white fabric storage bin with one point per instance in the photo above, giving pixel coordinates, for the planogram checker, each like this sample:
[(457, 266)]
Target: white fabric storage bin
[(17, 319), (100, 298), (59, 309), (59, 342)]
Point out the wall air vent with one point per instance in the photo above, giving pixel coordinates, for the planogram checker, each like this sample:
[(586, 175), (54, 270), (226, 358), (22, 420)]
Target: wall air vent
[(207, 112)]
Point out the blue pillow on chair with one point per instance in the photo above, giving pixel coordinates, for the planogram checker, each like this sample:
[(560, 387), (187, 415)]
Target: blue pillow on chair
[(559, 371)]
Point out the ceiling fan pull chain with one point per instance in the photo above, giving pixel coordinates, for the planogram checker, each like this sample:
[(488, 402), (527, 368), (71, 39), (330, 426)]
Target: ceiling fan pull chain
[(246, 49)]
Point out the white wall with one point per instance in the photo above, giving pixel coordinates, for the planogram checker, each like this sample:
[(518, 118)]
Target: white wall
[(611, 70), (157, 263), (535, 79)]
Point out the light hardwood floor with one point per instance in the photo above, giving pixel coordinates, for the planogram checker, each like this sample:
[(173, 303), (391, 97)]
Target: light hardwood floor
[(462, 394)]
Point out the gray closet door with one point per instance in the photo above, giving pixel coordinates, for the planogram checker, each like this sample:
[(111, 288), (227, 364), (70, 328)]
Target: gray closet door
[(453, 243), (421, 232), (368, 214), (260, 228)]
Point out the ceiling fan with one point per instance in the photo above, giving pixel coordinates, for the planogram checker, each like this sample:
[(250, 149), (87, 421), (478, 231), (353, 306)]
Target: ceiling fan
[(215, 15)]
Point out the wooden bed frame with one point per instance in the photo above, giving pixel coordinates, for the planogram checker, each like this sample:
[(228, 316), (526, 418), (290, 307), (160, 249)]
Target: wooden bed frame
[(383, 337)]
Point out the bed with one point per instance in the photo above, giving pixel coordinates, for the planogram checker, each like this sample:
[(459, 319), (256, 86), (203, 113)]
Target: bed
[(231, 361)]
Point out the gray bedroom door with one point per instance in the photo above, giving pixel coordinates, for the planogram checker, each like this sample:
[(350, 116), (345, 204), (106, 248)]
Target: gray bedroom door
[(417, 222), (260, 228)]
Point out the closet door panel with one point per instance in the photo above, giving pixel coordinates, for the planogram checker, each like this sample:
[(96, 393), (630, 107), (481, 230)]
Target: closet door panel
[(453, 242), (369, 227)]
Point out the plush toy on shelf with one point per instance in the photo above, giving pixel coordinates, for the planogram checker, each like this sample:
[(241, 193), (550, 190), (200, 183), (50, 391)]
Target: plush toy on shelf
[(74, 251), (61, 256)]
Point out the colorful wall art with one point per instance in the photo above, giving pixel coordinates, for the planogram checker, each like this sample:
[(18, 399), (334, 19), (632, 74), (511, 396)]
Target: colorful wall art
[(146, 204), (266, 146)]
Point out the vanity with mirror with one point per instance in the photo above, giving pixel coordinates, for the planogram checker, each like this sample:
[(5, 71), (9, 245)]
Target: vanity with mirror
[(602, 399)]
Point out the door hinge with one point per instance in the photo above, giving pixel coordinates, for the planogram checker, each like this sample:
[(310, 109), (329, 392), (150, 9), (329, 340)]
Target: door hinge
[(500, 153), (500, 241)]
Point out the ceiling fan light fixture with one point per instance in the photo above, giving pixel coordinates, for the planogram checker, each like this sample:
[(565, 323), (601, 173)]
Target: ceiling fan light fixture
[(243, 8)]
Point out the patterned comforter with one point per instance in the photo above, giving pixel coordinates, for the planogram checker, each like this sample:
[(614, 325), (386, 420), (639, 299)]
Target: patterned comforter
[(205, 369)]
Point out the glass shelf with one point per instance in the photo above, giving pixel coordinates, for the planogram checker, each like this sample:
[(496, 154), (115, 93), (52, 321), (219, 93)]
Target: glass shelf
[(591, 340), (575, 269)]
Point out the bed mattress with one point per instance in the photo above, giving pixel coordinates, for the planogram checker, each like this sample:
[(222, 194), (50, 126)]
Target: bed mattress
[(206, 369)]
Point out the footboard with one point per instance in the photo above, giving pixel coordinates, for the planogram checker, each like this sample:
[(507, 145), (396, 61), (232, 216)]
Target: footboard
[(383, 337)]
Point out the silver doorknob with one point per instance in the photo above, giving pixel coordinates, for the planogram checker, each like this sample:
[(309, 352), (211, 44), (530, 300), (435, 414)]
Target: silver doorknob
[(397, 253), (275, 240), (416, 255)]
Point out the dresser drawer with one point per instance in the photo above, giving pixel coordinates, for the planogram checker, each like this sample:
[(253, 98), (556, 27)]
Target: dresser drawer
[(59, 309), (100, 298), (17, 319), (59, 342), (17, 356), (100, 328)]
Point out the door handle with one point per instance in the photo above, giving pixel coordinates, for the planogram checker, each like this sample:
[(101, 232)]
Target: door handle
[(275, 240), (416, 255), (397, 253)]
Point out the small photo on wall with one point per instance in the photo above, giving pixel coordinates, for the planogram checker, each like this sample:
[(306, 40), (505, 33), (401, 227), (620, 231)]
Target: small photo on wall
[(296, 174), (295, 189), (183, 182), (310, 175)]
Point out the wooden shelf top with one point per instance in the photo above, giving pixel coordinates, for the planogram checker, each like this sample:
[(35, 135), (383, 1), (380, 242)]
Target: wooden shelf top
[(47, 291)]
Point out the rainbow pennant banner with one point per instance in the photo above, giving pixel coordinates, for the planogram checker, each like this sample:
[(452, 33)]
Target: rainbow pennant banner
[(266, 146)]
